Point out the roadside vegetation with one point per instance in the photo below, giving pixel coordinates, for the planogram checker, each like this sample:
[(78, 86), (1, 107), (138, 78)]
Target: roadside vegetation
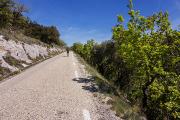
[(13, 62), (118, 102), (13, 20), (142, 61)]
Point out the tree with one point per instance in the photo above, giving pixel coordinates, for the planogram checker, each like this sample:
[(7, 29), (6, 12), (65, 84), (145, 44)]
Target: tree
[(145, 48), (142, 61), (78, 48), (88, 47), (19, 21), (6, 13)]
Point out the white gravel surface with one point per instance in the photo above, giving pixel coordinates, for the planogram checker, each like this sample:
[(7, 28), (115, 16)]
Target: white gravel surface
[(47, 92)]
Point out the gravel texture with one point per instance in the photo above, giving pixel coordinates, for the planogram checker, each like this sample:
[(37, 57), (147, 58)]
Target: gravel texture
[(50, 91)]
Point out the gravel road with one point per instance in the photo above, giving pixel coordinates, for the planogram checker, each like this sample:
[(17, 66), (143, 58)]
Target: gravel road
[(47, 92)]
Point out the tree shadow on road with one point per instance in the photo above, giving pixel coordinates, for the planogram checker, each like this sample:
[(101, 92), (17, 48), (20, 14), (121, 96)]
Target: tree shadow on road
[(88, 83), (84, 80), (94, 84), (65, 56)]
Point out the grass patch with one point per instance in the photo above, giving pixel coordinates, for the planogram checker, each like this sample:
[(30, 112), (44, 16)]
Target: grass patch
[(125, 110), (53, 53), (119, 104), (104, 85), (19, 36), (4, 72), (13, 62)]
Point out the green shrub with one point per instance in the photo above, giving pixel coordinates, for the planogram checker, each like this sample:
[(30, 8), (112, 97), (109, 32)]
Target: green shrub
[(142, 61)]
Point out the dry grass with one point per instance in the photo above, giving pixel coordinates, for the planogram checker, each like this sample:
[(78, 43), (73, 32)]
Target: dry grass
[(119, 104), (13, 62), (19, 36)]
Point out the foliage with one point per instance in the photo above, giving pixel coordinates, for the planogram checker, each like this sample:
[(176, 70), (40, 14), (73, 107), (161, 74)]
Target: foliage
[(78, 47), (11, 17), (6, 13), (45, 34), (143, 61)]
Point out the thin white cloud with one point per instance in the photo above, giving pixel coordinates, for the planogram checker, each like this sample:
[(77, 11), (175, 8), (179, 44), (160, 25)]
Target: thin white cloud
[(92, 31), (177, 4), (72, 34), (175, 23), (70, 28)]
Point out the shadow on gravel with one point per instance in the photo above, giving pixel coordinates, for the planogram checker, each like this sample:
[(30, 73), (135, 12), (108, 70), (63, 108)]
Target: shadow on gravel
[(94, 84), (89, 85), (119, 104), (65, 56), (84, 80)]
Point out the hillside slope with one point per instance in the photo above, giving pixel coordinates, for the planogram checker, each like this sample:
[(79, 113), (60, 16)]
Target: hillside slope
[(18, 51)]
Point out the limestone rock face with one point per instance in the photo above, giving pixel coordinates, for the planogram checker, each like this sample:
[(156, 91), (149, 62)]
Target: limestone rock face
[(53, 49), (35, 51), (22, 51), (16, 50), (4, 64)]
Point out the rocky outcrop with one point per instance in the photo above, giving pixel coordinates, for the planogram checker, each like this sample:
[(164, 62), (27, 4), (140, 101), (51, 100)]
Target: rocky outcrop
[(20, 51), (34, 51)]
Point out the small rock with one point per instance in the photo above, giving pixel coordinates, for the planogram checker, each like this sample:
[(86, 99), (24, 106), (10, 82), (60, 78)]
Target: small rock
[(25, 65), (107, 100)]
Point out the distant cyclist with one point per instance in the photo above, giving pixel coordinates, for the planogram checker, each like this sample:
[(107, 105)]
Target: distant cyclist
[(67, 50)]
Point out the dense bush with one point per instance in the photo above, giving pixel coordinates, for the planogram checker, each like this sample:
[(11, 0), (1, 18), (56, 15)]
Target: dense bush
[(143, 61), (45, 34), (11, 17), (6, 15)]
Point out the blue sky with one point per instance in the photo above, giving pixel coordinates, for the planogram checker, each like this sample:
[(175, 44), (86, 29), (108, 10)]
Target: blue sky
[(81, 20)]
